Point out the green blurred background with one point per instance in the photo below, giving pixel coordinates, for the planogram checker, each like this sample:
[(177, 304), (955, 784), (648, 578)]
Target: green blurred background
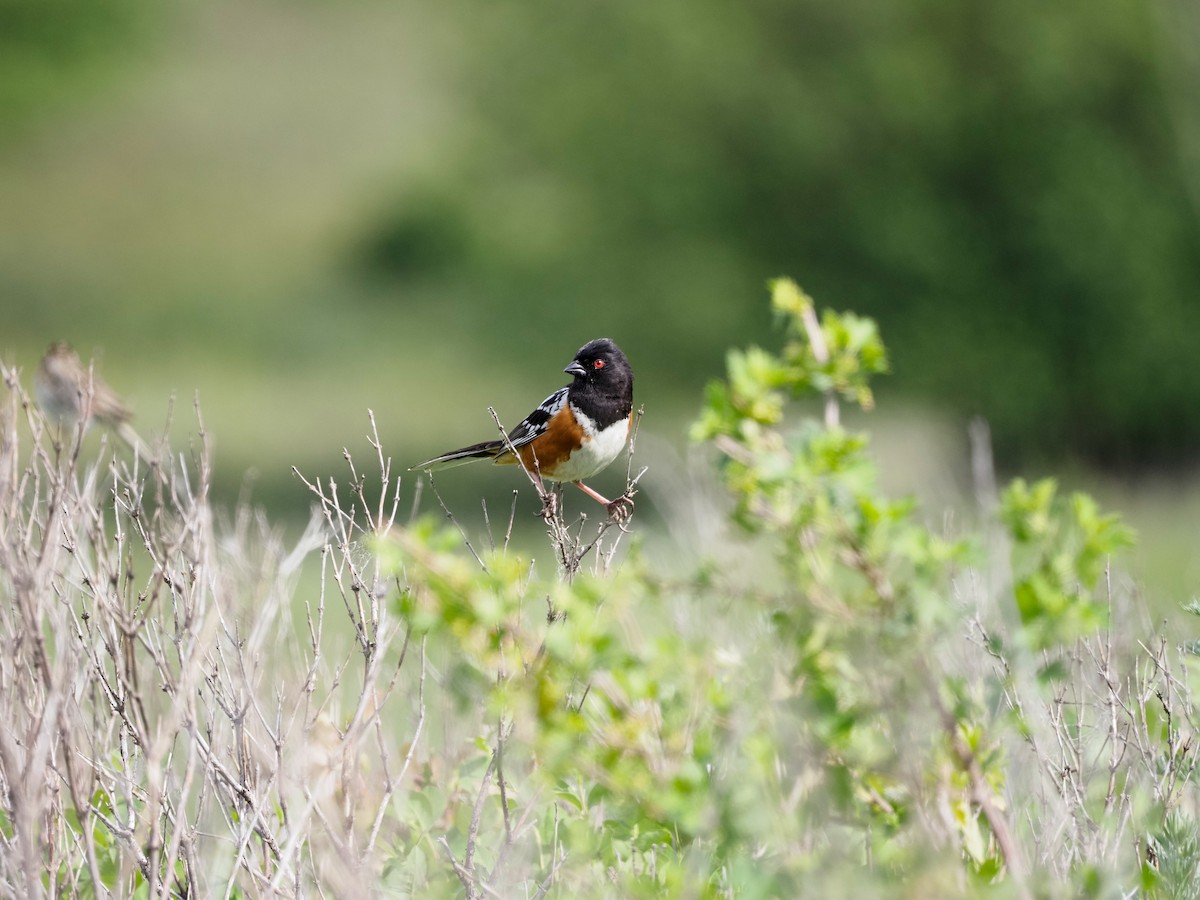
[(303, 210)]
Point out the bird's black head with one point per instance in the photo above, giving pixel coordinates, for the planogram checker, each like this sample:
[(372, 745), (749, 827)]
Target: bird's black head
[(601, 363)]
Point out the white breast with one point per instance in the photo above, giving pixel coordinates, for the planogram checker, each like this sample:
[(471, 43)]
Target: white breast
[(600, 447)]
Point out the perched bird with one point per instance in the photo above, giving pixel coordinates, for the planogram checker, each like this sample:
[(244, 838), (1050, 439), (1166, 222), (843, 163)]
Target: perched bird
[(575, 432), (68, 391)]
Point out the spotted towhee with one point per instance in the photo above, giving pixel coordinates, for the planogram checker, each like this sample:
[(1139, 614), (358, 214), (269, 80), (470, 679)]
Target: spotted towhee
[(575, 432)]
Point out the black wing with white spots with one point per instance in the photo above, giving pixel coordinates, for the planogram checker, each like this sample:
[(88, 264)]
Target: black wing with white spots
[(526, 431), (537, 421)]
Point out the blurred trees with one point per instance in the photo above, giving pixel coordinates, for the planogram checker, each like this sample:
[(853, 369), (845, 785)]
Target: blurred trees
[(51, 49), (1006, 187), (998, 183)]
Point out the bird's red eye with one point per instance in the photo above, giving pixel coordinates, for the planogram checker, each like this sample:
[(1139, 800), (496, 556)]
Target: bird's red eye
[(598, 364)]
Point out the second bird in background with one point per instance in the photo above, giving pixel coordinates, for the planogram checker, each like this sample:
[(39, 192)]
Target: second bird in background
[(69, 392)]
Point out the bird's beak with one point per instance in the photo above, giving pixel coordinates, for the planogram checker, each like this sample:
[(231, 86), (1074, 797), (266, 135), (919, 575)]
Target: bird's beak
[(576, 369)]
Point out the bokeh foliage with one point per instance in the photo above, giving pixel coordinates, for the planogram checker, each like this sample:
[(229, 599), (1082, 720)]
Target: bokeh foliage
[(850, 714)]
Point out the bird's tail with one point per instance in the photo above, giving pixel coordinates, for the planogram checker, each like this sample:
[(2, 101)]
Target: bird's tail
[(125, 432), (486, 450)]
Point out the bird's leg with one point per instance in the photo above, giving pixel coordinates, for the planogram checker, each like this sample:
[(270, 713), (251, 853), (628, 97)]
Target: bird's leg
[(619, 510), (595, 495)]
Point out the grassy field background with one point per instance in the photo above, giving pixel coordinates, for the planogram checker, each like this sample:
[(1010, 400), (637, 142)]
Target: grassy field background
[(191, 216)]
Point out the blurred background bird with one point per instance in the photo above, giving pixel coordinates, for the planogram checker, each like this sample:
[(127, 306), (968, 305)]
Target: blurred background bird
[(68, 393)]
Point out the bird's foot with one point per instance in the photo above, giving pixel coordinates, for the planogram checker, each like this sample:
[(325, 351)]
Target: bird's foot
[(549, 508), (620, 510)]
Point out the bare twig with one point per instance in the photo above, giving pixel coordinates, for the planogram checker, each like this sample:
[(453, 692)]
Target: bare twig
[(816, 339)]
